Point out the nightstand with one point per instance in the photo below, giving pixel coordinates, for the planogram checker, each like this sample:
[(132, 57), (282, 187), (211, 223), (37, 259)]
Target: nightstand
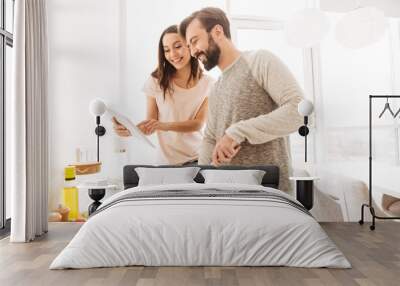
[(96, 193), (304, 190)]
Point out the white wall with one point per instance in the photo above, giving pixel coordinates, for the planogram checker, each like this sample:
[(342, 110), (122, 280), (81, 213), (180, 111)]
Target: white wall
[(84, 64)]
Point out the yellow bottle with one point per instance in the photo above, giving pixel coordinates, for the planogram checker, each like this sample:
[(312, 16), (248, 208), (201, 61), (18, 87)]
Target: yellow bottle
[(70, 193)]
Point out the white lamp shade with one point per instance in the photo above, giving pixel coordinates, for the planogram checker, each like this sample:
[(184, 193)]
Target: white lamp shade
[(306, 28), (361, 27), (97, 107), (305, 107)]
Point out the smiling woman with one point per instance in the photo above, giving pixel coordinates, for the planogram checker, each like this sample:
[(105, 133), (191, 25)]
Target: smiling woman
[(176, 101)]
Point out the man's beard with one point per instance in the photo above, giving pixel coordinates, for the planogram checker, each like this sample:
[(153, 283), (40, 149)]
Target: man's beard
[(212, 54)]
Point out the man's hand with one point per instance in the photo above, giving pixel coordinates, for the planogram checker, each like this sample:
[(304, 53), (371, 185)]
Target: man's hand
[(224, 151), (120, 129)]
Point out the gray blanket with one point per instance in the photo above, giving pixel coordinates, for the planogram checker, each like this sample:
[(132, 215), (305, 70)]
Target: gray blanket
[(207, 194)]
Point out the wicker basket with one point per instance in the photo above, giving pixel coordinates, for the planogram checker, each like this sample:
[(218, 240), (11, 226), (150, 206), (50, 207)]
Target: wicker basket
[(87, 168)]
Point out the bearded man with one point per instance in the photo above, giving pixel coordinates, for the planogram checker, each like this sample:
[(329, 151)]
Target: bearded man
[(253, 104)]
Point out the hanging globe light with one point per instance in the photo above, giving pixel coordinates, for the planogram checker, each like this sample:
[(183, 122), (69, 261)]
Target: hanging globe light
[(361, 27)]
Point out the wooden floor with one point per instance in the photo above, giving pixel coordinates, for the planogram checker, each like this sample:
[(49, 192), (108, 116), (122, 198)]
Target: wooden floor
[(374, 255)]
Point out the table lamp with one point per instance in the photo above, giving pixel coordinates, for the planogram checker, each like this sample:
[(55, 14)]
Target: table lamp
[(305, 108)]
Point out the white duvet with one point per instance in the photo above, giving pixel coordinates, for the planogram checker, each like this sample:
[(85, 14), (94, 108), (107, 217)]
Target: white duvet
[(200, 231)]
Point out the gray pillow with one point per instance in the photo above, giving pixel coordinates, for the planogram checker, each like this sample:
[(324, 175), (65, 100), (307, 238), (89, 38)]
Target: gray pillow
[(165, 176), (248, 177)]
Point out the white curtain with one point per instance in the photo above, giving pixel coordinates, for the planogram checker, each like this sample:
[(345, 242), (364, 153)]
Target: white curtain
[(29, 139)]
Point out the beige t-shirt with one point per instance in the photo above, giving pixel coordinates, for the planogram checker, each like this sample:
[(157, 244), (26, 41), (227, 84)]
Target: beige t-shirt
[(178, 147)]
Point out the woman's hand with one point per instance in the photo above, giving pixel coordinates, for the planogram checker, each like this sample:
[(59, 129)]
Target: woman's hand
[(142, 127), (151, 125), (120, 129)]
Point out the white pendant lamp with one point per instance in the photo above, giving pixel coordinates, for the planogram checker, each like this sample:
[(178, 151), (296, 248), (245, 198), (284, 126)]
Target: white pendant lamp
[(361, 27)]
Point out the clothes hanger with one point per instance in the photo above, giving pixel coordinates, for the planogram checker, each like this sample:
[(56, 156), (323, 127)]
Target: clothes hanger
[(387, 107), (398, 111)]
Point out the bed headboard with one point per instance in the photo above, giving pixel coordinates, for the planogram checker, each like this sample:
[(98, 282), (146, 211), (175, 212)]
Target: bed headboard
[(270, 179)]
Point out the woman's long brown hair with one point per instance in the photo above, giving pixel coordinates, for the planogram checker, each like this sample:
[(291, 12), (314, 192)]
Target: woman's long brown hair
[(165, 72)]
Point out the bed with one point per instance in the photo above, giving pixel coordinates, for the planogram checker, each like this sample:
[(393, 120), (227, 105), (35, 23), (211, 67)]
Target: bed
[(201, 224)]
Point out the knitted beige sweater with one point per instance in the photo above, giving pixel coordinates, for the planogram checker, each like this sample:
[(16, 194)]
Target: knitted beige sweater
[(255, 102)]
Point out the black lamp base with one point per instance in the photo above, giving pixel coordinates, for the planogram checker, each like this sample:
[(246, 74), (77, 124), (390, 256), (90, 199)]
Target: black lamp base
[(96, 195), (304, 193)]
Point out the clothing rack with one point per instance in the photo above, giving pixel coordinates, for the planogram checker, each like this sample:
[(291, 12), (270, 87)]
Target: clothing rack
[(369, 205)]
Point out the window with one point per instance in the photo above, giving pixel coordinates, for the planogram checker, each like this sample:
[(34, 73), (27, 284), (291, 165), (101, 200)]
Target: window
[(6, 44), (361, 72), (336, 79), (9, 17)]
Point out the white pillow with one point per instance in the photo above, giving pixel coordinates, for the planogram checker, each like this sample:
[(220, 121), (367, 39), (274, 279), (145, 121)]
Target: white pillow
[(248, 177), (163, 176)]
